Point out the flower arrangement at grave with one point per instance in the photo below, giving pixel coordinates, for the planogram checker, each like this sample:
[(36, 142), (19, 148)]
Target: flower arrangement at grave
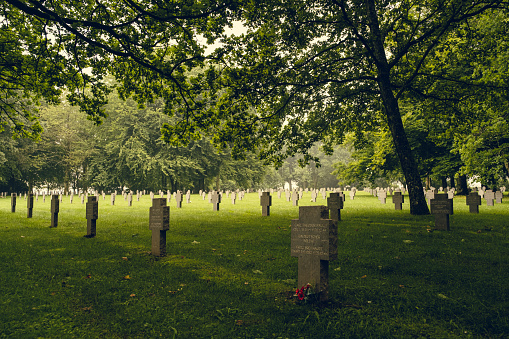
[(305, 293)]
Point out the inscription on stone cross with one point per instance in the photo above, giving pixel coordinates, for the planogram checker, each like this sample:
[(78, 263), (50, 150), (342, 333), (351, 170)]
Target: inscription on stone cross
[(314, 241), (335, 205), (265, 202), (215, 199), (55, 207), (13, 202), (92, 214), (441, 207), (159, 223), (473, 202)]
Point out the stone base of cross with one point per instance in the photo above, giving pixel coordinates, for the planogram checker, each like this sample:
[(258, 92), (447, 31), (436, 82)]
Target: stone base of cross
[(314, 242)]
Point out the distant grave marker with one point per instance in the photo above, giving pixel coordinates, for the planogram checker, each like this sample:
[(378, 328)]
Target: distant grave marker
[(441, 207), (159, 223), (92, 214), (382, 196), (30, 204), (233, 197), (473, 202), (13, 202), (498, 197), (314, 194), (215, 200), (295, 198), (314, 242), (178, 199), (398, 199), (130, 199), (112, 199), (188, 196), (335, 205), (489, 196), (265, 202), (55, 207)]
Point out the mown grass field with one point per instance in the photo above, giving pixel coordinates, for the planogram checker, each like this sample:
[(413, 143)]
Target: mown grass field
[(229, 274)]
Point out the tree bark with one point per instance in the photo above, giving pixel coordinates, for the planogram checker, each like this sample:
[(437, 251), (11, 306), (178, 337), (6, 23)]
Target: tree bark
[(418, 205)]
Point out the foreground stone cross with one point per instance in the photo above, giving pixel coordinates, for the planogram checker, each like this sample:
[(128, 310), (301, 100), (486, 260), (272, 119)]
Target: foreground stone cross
[(55, 207), (159, 223), (265, 202), (398, 199), (335, 205), (215, 199), (441, 207), (473, 202), (30, 204), (13, 202), (92, 214), (314, 242)]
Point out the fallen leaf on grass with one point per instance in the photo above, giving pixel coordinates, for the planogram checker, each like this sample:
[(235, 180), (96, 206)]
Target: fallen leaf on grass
[(407, 241), (239, 322), (443, 296), (195, 242), (257, 272), (132, 295), (127, 277), (364, 276), (87, 309), (402, 286), (246, 283), (88, 276), (125, 258)]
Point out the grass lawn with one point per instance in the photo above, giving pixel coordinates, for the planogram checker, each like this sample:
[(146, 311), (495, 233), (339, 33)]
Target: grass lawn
[(229, 274)]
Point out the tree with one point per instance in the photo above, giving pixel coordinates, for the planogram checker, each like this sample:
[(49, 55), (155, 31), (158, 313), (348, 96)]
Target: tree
[(304, 72)]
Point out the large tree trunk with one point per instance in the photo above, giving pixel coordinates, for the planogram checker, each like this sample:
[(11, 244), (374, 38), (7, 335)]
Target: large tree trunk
[(418, 205)]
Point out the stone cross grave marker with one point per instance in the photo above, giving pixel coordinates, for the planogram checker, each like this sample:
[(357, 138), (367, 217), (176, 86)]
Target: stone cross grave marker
[(178, 199), (295, 198), (130, 199), (159, 223), (489, 196), (314, 241), (441, 207), (30, 204), (265, 202), (215, 199), (92, 214), (352, 194), (82, 199), (112, 199), (210, 197), (398, 199), (473, 202), (188, 196), (71, 197), (335, 205), (13, 202), (498, 197), (382, 196), (203, 195), (55, 207), (314, 194), (430, 195), (234, 196), (279, 194), (288, 195)]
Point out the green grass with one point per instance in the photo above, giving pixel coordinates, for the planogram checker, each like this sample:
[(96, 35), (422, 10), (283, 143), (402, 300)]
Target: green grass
[(229, 274)]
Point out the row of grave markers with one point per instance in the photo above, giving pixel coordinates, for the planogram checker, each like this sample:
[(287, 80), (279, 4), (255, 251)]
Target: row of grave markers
[(313, 236)]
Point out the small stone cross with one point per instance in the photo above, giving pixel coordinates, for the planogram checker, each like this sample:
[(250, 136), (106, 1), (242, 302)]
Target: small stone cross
[(265, 202), (441, 207), (335, 205), (473, 202), (159, 223), (92, 213), (398, 199), (215, 199), (55, 207)]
